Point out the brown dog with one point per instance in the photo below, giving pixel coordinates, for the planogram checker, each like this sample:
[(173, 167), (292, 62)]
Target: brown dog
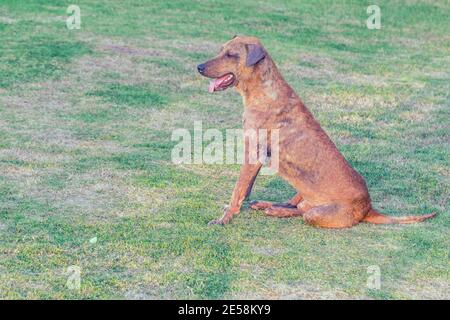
[(331, 193)]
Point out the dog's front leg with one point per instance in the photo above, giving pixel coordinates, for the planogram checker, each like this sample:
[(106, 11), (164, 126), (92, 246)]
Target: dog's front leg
[(241, 191)]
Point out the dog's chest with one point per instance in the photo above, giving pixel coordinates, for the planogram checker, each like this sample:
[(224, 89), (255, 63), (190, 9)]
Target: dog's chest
[(261, 118)]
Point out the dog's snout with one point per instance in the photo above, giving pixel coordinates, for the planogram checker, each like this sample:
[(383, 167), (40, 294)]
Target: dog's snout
[(201, 68)]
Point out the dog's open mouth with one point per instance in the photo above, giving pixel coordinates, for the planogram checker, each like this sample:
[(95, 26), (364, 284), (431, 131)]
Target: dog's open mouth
[(221, 83)]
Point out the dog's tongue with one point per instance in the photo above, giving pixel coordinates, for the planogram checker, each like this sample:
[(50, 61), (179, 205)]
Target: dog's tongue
[(214, 84)]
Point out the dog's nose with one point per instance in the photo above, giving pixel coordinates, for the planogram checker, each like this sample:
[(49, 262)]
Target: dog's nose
[(201, 68)]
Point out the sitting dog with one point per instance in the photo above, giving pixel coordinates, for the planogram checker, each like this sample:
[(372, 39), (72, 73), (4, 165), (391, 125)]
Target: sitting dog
[(331, 194)]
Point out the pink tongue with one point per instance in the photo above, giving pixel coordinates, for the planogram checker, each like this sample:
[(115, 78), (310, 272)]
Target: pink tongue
[(214, 84)]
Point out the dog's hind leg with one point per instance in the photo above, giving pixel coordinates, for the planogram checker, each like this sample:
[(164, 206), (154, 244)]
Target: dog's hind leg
[(283, 212), (262, 205), (330, 216)]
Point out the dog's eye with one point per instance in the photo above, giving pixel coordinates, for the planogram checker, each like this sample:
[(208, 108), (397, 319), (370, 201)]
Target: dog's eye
[(232, 55)]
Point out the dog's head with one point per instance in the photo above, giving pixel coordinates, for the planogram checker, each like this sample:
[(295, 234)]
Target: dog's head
[(234, 63)]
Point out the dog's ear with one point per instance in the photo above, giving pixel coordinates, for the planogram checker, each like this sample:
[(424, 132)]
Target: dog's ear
[(255, 53)]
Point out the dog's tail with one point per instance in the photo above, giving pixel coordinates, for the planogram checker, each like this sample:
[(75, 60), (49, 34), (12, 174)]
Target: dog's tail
[(377, 218)]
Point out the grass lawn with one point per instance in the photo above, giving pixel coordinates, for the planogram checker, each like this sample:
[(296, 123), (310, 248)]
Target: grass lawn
[(86, 118)]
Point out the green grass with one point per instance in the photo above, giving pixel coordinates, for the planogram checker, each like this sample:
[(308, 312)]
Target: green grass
[(129, 95), (35, 58), (86, 118)]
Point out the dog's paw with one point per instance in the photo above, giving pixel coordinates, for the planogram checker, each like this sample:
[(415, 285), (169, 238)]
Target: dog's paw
[(269, 211), (227, 216), (222, 221)]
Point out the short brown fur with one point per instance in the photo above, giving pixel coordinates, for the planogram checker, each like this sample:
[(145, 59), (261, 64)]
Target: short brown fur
[(331, 194)]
